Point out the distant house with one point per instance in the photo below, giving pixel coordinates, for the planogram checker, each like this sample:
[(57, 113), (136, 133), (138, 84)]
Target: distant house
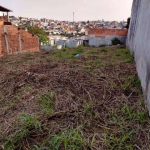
[(114, 24), (99, 36), (82, 30)]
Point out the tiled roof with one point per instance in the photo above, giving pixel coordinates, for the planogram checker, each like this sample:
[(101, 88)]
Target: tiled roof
[(104, 32)]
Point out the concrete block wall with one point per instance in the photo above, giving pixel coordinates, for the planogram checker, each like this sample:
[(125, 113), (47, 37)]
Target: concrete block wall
[(105, 40), (16, 41), (138, 41), (99, 37), (70, 42)]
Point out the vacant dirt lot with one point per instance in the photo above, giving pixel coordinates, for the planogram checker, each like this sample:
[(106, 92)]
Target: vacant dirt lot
[(55, 101)]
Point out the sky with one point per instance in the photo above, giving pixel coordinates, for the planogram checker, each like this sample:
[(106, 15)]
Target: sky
[(109, 10)]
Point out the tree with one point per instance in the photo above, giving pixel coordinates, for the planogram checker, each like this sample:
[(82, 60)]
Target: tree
[(40, 33), (128, 23)]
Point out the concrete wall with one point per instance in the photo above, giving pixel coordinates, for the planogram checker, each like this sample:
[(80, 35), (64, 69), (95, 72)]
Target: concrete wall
[(45, 47), (104, 40), (138, 41), (73, 43), (70, 42)]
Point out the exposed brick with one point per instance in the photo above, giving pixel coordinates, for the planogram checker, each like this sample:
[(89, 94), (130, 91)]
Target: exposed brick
[(29, 42), (103, 32)]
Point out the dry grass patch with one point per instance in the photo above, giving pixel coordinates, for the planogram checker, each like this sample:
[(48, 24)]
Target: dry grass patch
[(52, 100)]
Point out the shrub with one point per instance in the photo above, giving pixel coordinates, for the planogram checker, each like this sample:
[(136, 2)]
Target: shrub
[(102, 45), (103, 50), (115, 41), (43, 38)]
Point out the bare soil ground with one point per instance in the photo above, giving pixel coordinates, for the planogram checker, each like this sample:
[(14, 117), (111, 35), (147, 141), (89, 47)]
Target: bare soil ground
[(51, 100)]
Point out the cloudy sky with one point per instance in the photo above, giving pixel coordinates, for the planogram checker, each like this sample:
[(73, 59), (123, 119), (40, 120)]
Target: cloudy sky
[(63, 9)]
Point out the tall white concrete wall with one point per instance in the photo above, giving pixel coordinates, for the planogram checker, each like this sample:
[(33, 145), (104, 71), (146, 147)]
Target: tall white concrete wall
[(138, 41)]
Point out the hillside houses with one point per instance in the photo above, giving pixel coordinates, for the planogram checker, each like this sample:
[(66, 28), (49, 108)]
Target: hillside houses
[(95, 33), (55, 27)]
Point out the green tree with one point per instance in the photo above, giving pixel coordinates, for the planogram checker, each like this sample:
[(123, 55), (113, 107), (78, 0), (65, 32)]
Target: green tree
[(128, 23), (40, 33)]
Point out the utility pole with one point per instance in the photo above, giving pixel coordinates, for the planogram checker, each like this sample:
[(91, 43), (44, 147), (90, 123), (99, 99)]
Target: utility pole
[(73, 16)]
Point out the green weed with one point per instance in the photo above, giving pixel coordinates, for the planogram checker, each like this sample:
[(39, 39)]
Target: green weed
[(88, 68), (122, 135), (127, 52), (27, 54), (102, 46), (130, 82), (77, 51), (103, 50), (62, 55), (113, 84), (91, 52), (27, 89), (121, 52), (25, 125), (90, 62), (87, 107), (70, 139), (118, 54), (134, 114), (46, 103), (118, 142), (130, 59)]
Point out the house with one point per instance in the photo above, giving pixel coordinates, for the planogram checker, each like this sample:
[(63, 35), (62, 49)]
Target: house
[(14, 40), (82, 30), (114, 24), (99, 36), (5, 15)]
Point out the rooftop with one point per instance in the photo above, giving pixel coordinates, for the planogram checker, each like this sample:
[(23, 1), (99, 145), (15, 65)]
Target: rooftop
[(3, 9)]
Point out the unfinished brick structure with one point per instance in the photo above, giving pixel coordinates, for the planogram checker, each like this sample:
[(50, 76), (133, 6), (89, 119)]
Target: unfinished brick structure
[(14, 40)]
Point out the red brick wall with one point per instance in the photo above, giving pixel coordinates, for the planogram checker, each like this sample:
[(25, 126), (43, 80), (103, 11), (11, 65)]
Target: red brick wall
[(1, 22), (2, 42), (5, 18), (29, 43), (0, 46), (103, 32)]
